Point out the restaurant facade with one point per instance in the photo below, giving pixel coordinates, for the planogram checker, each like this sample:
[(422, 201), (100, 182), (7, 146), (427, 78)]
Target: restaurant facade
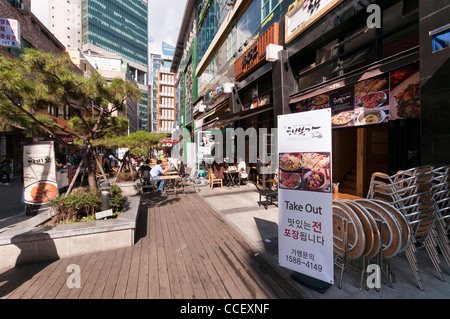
[(380, 66)]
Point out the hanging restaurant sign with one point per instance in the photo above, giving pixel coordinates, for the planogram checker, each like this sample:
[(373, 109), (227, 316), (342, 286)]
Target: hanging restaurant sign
[(304, 14), (256, 54)]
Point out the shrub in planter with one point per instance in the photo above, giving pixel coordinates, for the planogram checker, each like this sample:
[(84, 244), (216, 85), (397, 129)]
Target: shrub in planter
[(80, 203), (116, 200), (124, 177)]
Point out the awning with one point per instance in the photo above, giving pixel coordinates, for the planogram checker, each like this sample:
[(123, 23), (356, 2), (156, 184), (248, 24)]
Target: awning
[(229, 118)]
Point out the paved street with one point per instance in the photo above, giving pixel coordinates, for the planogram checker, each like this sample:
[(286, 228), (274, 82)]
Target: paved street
[(230, 220)]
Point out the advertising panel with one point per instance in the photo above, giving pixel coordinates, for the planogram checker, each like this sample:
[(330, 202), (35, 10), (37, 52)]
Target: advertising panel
[(9, 33), (386, 97), (305, 225), (39, 173), (304, 14)]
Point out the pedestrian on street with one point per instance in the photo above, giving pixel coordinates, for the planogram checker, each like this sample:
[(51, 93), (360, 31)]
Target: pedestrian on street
[(5, 163)]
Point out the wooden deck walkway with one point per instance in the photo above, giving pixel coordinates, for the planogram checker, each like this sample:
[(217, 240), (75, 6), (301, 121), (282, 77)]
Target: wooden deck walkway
[(183, 250)]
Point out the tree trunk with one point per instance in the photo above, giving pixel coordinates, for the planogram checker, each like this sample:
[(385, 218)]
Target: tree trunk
[(91, 167)]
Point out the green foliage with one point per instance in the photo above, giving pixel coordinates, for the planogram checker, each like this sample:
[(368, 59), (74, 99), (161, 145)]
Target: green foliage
[(116, 200), (29, 86), (80, 203)]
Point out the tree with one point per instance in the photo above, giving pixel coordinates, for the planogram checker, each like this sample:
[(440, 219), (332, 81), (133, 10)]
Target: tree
[(38, 81), (140, 143)]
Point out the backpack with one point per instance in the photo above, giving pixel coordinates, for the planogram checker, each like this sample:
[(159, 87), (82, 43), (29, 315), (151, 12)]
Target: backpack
[(146, 175)]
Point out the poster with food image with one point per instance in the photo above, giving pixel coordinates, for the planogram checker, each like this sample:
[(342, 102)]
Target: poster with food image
[(290, 169), (305, 212), (372, 100), (39, 173), (316, 172), (342, 107), (405, 92), (318, 102)]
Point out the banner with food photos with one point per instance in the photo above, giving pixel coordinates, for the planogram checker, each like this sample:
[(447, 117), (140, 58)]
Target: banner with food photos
[(39, 173), (385, 97), (305, 225)]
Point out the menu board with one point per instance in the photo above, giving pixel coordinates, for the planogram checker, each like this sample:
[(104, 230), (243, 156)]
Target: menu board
[(342, 103), (386, 97), (305, 225), (39, 173)]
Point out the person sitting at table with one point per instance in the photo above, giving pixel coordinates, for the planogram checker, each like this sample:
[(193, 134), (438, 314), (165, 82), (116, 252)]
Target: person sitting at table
[(156, 172), (145, 169), (242, 169), (181, 168), (217, 169)]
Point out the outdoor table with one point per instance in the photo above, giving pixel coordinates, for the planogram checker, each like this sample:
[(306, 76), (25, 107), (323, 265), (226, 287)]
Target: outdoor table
[(230, 176), (172, 179), (172, 173), (342, 196)]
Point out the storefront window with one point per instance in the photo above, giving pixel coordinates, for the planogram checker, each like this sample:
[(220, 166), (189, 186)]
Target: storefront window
[(249, 23), (401, 41), (211, 19), (267, 7), (231, 42)]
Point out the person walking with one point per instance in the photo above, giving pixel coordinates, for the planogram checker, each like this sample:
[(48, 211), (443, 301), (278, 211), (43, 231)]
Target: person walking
[(5, 163), (156, 172)]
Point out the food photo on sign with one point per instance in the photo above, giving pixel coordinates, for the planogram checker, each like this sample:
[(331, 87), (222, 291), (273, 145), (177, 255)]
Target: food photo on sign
[(372, 100), (405, 92), (39, 173), (305, 171), (342, 107)]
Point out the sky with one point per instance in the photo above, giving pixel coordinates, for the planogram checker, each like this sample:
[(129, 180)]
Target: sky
[(164, 19)]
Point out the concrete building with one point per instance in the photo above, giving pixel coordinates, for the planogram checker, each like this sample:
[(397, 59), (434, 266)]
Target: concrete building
[(163, 94), (282, 57)]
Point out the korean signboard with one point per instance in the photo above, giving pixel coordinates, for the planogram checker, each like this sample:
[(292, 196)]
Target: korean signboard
[(385, 97), (9, 33), (304, 14), (305, 225), (255, 55), (39, 173)]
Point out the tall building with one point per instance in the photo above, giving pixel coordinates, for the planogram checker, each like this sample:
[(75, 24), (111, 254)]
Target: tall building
[(163, 100), (114, 34), (283, 57)]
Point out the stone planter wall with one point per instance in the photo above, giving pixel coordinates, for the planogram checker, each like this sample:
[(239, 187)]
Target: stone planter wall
[(28, 243)]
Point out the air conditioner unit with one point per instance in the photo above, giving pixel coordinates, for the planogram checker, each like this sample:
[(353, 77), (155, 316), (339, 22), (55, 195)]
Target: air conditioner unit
[(21, 7)]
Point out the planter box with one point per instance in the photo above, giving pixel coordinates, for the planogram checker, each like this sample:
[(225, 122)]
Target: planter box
[(130, 188), (27, 243)]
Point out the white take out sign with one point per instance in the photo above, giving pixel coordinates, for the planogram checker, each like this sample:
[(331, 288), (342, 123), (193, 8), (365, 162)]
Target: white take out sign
[(305, 224)]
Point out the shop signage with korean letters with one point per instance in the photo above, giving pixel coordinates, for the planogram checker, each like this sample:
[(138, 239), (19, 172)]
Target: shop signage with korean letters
[(9, 33), (39, 173), (255, 55), (304, 14), (305, 224)]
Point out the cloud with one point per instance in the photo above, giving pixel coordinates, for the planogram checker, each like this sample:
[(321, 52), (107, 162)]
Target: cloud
[(164, 21)]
